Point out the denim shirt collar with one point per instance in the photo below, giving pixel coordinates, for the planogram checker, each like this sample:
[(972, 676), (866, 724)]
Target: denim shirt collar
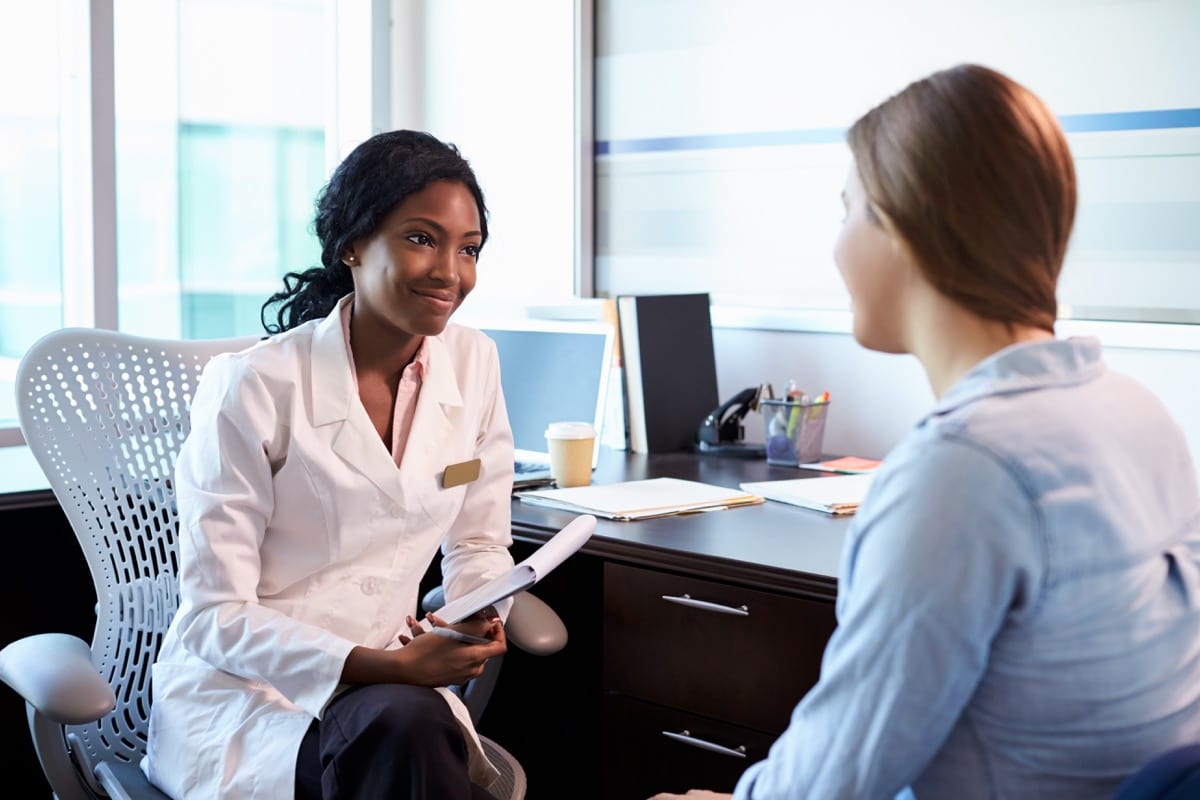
[(1023, 368)]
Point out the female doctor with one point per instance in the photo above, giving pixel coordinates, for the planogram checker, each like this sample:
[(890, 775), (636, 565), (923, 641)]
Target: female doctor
[(326, 466)]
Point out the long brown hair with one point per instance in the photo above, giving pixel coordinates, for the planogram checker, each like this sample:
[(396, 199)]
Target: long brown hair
[(974, 173)]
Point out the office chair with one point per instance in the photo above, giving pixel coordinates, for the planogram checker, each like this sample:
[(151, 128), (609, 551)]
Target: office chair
[(105, 414), (1174, 775)]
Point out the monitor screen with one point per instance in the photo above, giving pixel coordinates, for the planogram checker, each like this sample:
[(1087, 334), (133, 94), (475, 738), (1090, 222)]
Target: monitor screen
[(552, 372)]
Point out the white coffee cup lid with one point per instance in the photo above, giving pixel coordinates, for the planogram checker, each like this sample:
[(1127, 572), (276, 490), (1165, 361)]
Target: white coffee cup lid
[(570, 430)]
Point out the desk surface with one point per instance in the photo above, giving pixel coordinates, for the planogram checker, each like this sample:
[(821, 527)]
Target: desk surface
[(773, 545)]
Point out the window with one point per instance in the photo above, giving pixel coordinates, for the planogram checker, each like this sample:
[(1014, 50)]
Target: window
[(720, 149), (499, 80), (220, 127), (31, 181), (224, 118)]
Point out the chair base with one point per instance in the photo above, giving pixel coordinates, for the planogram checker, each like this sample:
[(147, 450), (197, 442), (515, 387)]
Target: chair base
[(511, 784)]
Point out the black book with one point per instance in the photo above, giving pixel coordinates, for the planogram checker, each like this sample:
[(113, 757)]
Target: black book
[(670, 369)]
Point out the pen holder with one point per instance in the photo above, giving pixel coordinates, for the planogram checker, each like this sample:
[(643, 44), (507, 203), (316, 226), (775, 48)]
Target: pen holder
[(794, 431)]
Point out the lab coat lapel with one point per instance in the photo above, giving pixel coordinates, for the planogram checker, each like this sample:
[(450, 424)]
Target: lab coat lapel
[(335, 403), (438, 412)]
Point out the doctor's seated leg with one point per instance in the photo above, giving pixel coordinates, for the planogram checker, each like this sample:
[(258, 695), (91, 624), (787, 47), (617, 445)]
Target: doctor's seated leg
[(385, 740)]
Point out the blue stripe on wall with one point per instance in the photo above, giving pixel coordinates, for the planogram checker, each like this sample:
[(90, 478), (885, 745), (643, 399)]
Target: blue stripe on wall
[(721, 141), (1132, 120), (1071, 123)]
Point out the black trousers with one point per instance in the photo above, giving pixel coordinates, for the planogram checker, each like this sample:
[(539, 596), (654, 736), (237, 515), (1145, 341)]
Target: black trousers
[(385, 741)]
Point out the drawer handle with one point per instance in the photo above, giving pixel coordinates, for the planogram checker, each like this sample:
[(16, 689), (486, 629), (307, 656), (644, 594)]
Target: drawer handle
[(687, 600), (686, 738)]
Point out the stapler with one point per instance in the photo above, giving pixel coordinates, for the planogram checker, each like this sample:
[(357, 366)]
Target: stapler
[(723, 433)]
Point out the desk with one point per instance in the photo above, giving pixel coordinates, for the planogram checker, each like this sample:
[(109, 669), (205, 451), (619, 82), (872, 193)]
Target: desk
[(587, 722), (660, 666), (45, 584), (22, 482), (775, 546)]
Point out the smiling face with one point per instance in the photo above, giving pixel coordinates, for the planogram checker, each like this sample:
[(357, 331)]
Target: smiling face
[(877, 270), (416, 269)]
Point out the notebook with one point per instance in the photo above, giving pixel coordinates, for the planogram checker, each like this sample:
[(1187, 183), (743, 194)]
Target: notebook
[(551, 372)]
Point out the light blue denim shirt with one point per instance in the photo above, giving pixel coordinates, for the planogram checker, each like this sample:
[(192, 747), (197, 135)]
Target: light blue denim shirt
[(1019, 604)]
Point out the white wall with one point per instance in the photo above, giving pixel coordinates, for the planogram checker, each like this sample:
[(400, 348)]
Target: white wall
[(876, 398)]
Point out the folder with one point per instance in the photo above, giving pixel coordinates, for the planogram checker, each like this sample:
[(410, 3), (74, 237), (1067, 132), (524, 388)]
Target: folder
[(643, 499), (848, 465), (670, 369), (837, 495)]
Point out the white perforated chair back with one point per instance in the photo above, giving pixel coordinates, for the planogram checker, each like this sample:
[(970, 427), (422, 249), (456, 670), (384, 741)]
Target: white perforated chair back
[(105, 414)]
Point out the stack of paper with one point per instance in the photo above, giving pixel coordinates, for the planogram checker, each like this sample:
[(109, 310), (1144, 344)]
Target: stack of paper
[(834, 495), (644, 499)]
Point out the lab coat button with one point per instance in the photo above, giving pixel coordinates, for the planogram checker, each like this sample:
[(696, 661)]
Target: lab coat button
[(396, 510), (370, 586)]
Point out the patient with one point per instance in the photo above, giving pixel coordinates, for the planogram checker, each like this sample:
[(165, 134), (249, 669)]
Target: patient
[(1020, 593)]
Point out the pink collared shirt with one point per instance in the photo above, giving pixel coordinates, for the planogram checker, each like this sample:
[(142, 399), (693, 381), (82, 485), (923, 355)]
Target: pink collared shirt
[(406, 393)]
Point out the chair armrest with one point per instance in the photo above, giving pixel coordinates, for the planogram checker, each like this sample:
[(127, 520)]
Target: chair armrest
[(54, 673), (534, 626)]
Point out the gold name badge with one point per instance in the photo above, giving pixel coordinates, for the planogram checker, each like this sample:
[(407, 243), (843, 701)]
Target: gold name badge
[(458, 474)]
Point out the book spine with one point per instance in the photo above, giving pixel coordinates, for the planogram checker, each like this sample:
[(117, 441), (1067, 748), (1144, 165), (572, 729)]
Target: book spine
[(632, 361)]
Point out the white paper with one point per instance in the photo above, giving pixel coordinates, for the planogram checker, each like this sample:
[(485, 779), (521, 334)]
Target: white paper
[(640, 499), (834, 495), (538, 565)]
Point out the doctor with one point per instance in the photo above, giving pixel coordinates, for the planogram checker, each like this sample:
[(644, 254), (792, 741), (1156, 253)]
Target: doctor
[(326, 466)]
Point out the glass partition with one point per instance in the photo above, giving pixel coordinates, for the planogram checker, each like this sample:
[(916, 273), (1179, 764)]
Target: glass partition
[(720, 150)]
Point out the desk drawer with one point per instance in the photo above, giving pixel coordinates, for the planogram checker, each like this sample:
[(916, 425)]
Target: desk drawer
[(650, 749), (713, 649)]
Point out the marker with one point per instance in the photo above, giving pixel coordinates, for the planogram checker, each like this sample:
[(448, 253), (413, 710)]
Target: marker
[(800, 399)]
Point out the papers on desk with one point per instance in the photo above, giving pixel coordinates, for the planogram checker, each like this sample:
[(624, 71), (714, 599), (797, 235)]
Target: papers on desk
[(644, 499), (838, 495), (849, 465)]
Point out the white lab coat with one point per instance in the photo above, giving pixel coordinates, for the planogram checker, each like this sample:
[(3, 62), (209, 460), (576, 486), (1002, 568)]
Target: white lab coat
[(300, 538)]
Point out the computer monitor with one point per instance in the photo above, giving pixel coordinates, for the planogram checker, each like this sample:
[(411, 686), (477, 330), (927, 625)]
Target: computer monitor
[(552, 372)]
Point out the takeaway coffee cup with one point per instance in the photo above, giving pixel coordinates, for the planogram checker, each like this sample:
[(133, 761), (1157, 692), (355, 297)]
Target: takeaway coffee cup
[(571, 445)]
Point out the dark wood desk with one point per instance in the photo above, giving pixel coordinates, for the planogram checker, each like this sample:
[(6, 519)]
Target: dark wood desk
[(593, 720), (774, 546), (587, 722)]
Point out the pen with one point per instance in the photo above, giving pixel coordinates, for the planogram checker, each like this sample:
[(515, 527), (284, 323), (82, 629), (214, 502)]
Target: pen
[(703, 510), (458, 636)]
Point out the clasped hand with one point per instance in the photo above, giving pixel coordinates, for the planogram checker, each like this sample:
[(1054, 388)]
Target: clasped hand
[(440, 661)]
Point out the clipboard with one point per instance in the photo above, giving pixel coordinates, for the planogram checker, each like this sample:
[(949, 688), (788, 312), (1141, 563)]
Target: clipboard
[(521, 576)]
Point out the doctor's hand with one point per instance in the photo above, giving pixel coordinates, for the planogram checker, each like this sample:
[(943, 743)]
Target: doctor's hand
[(427, 659), (443, 661), (693, 794)]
